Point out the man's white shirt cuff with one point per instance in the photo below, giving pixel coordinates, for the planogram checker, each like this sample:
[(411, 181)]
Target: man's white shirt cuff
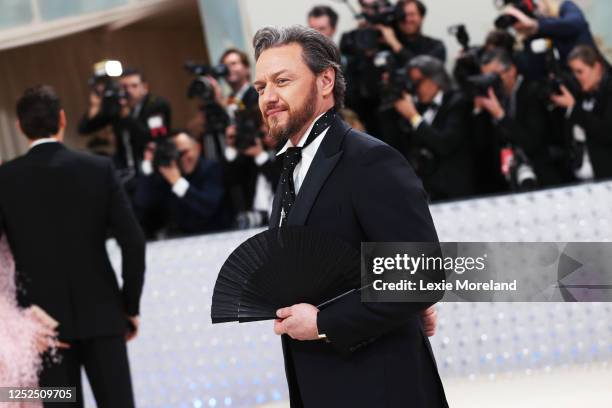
[(180, 187), (261, 158), (231, 153), (147, 167)]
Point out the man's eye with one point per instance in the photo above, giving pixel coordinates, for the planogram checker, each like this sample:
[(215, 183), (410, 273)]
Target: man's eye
[(281, 81)]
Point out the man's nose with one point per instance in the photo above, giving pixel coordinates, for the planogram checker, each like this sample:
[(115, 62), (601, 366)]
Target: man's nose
[(269, 95)]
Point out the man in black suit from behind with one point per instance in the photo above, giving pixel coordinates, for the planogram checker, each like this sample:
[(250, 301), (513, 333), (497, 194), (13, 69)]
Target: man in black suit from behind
[(56, 209), (346, 183)]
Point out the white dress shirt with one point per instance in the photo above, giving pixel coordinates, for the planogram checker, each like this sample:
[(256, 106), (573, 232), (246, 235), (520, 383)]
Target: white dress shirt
[(43, 141), (308, 154)]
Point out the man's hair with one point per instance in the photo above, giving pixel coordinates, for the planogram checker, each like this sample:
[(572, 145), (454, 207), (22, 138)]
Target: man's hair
[(421, 7), (174, 133), (318, 52), (432, 68), (500, 39), (133, 71), (38, 111), (320, 11), (497, 55), (244, 58), (587, 54)]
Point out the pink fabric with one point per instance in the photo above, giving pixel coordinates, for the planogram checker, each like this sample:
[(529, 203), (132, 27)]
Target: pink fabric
[(19, 360)]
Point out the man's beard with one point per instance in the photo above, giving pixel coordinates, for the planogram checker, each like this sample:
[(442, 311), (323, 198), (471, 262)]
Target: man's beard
[(297, 120)]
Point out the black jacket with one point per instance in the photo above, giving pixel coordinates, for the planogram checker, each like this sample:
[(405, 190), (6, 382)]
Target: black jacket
[(598, 128), (200, 210), (442, 151), (241, 178), (360, 189), (138, 128), (419, 45), (529, 127), (56, 207)]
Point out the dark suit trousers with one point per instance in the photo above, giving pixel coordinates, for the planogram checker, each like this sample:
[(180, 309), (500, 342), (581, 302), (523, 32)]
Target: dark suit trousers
[(106, 364)]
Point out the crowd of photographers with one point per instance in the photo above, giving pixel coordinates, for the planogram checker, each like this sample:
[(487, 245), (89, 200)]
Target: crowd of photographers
[(527, 109)]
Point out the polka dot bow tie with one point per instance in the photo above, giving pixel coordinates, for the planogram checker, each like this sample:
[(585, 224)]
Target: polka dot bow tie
[(292, 157)]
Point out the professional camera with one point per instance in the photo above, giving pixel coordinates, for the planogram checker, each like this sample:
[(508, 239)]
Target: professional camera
[(366, 40), (248, 127), (461, 34), (479, 85), (103, 82), (216, 116), (517, 169), (384, 13), (556, 76), (506, 21), (397, 80), (201, 87), (165, 153), (468, 63)]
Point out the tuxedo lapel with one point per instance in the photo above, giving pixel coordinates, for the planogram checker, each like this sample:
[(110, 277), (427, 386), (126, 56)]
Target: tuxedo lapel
[(323, 164)]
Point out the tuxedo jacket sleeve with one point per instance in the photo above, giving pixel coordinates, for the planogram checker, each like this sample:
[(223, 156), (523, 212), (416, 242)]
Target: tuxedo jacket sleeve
[(391, 206), (89, 125), (570, 23), (596, 124), (124, 227), (449, 130), (529, 126), (205, 193)]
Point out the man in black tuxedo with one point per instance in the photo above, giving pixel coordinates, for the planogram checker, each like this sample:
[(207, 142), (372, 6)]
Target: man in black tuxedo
[(518, 115), (185, 196), (438, 142), (56, 207), (138, 118), (358, 188)]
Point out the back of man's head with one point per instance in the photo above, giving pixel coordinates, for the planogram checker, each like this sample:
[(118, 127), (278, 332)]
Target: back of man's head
[(38, 112)]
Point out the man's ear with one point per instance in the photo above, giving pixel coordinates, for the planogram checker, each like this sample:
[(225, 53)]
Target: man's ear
[(62, 125), (18, 126), (62, 120), (327, 80)]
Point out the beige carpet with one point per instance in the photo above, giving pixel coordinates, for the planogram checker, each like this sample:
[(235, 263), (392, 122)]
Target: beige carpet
[(588, 387)]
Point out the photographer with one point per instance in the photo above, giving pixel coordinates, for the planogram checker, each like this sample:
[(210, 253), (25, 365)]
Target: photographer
[(386, 29), (243, 94), (438, 118), (234, 68), (561, 21), (590, 113), (407, 40), (135, 115), (323, 19), (252, 171), (181, 192), (517, 114)]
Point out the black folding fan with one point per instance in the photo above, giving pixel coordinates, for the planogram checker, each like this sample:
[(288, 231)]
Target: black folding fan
[(283, 267)]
